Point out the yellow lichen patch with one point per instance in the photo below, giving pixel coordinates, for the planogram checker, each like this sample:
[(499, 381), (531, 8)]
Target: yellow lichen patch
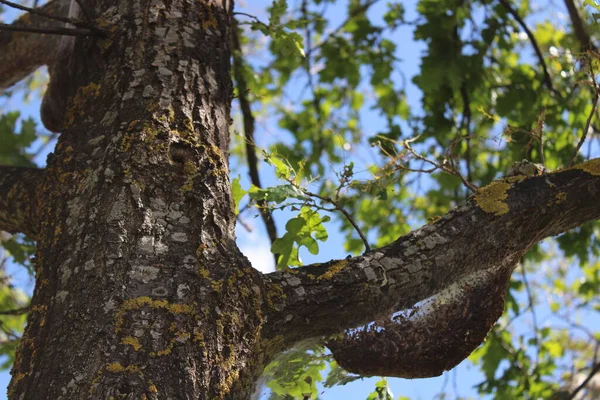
[(200, 250), (126, 142), (84, 94), (117, 367), (434, 219), (20, 370), (333, 270), (199, 337), (148, 134), (560, 197), (133, 125), (191, 170), (516, 178), (57, 232), (208, 19), (491, 197), (217, 285), (68, 155), (132, 341), (145, 301), (165, 118), (188, 124), (204, 273), (591, 167), (274, 295), (41, 309)]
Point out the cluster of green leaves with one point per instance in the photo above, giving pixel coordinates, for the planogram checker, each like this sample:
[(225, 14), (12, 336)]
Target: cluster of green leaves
[(14, 143)]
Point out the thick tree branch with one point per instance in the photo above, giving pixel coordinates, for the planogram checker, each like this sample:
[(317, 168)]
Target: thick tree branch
[(19, 199), (488, 232), (22, 53)]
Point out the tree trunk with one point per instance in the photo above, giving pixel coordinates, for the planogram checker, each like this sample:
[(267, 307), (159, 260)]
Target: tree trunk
[(141, 290)]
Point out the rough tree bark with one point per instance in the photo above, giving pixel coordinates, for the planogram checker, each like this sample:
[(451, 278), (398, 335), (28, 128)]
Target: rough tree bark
[(140, 287)]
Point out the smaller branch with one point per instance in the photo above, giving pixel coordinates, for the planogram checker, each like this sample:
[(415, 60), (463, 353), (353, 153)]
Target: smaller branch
[(18, 311), (244, 224), (50, 31), (249, 125), (8, 332), (593, 372), (346, 214), (49, 16), (253, 17), (443, 167), (589, 119), (536, 47), (466, 125)]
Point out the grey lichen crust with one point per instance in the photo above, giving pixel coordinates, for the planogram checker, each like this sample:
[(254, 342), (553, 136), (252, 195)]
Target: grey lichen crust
[(526, 168)]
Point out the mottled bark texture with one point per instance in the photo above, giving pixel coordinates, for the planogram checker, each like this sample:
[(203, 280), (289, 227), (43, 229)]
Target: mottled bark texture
[(141, 291)]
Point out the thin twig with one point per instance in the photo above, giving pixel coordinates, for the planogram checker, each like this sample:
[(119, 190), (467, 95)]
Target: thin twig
[(254, 17), (579, 388), (243, 223), (589, 119), (466, 124), (452, 170), (536, 47), (50, 31), (536, 329), (346, 214)]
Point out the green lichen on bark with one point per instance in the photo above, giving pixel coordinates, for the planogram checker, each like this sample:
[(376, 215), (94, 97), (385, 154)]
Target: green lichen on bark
[(491, 198)]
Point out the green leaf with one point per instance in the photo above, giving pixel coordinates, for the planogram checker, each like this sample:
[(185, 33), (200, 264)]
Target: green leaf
[(277, 10), (237, 192)]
